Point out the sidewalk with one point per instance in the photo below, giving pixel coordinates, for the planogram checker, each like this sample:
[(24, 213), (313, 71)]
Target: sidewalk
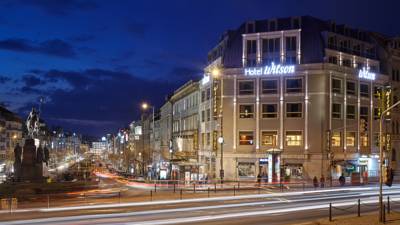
[(367, 219)]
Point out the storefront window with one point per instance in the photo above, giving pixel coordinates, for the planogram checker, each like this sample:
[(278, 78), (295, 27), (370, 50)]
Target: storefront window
[(336, 139), (294, 138), (364, 140), (246, 169), (351, 139), (269, 138), (245, 138)]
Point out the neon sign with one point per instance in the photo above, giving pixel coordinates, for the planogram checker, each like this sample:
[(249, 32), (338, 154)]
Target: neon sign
[(269, 70), (364, 73)]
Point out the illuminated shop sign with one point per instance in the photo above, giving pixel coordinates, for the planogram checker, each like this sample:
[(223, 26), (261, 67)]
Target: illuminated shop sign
[(269, 70), (364, 73)]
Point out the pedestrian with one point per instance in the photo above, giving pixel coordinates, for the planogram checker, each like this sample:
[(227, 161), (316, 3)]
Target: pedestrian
[(342, 180), (259, 179), (322, 181), (315, 182)]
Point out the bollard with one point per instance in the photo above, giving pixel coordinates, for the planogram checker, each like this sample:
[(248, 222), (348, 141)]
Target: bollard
[(384, 213), (359, 208), (208, 191), (330, 211), (151, 195), (155, 187), (174, 187), (215, 187), (234, 190), (181, 194), (48, 201), (194, 188), (388, 202)]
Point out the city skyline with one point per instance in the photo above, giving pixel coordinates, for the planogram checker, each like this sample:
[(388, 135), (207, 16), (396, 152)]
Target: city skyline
[(106, 65)]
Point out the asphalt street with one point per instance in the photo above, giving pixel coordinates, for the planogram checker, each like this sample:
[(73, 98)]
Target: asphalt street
[(273, 208)]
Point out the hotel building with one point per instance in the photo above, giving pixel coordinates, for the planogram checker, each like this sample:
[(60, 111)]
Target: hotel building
[(275, 90)]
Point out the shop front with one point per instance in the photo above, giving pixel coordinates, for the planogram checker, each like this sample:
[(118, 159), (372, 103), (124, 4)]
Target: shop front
[(274, 165)]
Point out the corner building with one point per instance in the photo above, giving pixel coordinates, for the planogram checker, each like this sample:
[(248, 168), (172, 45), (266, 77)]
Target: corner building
[(276, 88)]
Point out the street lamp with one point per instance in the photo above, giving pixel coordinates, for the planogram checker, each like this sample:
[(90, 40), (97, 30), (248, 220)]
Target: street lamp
[(221, 172), (381, 160), (145, 106)]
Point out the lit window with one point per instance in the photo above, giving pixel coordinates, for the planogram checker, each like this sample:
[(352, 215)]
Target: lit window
[(245, 138), (336, 139), (351, 139), (269, 111), (246, 111), (364, 140), (336, 111), (294, 138), (269, 138), (293, 110), (269, 86), (294, 85), (336, 86), (246, 87)]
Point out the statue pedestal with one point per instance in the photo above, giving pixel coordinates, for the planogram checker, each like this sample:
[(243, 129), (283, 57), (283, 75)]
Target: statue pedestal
[(30, 169)]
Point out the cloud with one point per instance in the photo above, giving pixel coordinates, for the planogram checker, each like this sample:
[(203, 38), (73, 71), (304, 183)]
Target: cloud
[(4, 79), (61, 7), (99, 101), (31, 81), (137, 29), (54, 47), (184, 73)]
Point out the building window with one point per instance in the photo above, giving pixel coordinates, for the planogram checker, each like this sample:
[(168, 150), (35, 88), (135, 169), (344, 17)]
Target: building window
[(269, 111), (245, 138), (364, 113), (246, 87), (293, 110), (350, 88), (364, 90), (294, 85), (208, 114), (271, 45), (246, 169), (364, 140), (203, 116), (294, 138), (269, 86), (290, 44), (208, 138), (332, 59), (246, 111), (336, 86), (377, 113), (336, 111), (208, 93), (346, 62), (203, 96), (336, 139), (351, 112), (251, 46), (269, 138), (351, 139)]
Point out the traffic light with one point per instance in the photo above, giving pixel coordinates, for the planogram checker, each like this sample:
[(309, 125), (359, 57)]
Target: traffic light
[(363, 125)]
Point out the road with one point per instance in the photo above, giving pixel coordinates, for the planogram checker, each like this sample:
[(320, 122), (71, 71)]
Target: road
[(273, 208)]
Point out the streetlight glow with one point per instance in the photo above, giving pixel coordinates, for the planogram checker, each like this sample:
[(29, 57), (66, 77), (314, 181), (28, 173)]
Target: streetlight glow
[(215, 72), (145, 106)]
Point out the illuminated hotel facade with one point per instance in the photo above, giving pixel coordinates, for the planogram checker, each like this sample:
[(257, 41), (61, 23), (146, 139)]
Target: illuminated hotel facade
[(276, 89)]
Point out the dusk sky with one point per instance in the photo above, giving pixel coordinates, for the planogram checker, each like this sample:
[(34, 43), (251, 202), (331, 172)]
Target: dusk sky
[(95, 61)]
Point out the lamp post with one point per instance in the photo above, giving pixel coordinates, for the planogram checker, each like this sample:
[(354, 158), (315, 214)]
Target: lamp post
[(381, 160), (221, 172), (145, 106)]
